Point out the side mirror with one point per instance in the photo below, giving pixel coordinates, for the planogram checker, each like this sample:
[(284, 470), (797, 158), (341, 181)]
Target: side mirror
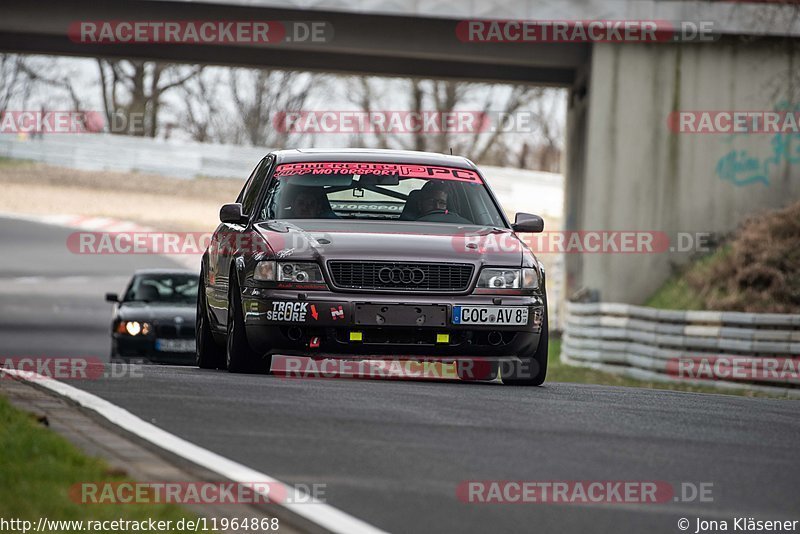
[(112, 297), (529, 223), (232, 213)]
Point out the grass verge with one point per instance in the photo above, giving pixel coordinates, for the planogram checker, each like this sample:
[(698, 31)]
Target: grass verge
[(38, 467), (678, 293), (13, 162)]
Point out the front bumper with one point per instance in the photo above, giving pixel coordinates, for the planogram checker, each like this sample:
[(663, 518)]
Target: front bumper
[(328, 324), (143, 348)]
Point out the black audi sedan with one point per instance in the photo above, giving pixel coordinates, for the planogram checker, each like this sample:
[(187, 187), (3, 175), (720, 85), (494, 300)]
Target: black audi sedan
[(155, 318), (362, 254)]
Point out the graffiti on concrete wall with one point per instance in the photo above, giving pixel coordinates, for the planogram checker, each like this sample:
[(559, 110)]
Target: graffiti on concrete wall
[(742, 167)]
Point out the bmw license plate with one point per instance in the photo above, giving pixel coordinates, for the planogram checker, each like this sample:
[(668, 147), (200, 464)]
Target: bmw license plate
[(494, 315), (175, 345)]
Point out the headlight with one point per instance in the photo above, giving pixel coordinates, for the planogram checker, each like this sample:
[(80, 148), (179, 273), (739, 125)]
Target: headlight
[(301, 273), (265, 271), (530, 278), (296, 272), (493, 278), (133, 328)]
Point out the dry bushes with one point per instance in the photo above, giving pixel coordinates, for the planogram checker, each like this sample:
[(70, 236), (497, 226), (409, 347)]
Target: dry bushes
[(758, 270)]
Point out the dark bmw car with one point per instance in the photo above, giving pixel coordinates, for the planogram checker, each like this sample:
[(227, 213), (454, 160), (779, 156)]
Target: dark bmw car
[(372, 254), (155, 318)]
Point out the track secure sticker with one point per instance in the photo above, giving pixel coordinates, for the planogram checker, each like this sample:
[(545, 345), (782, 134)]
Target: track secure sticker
[(288, 311)]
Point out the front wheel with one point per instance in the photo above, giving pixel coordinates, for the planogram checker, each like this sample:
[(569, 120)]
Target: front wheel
[(240, 357), (209, 355), (531, 370)]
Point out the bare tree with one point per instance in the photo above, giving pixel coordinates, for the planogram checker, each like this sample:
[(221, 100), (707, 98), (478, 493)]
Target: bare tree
[(259, 95), (548, 152), (14, 82), (366, 98), (501, 146), (539, 147), (47, 72), (203, 116), (50, 83), (132, 92)]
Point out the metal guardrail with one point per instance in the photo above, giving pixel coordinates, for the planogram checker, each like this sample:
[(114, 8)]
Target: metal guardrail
[(757, 351), (180, 159)]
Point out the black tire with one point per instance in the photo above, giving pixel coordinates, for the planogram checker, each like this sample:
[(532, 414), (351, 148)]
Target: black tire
[(533, 369), (208, 354), (113, 355), (239, 356)]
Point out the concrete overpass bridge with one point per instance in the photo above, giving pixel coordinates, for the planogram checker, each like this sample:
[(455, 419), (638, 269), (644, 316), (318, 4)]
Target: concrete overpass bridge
[(625, 169)]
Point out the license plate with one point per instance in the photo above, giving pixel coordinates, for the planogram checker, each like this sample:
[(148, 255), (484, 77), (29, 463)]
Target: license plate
[(175, 345), (496, 315)]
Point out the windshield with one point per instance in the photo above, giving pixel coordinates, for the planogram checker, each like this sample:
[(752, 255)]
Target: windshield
[(167, 288), (380, 191)]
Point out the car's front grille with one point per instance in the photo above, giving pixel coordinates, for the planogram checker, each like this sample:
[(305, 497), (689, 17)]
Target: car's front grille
[(449, 277), (171, 331)]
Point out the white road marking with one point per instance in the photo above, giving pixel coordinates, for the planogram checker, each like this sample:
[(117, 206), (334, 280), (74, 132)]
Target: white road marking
[(304, 506), (81, 222), (28, 280), (59, 280)]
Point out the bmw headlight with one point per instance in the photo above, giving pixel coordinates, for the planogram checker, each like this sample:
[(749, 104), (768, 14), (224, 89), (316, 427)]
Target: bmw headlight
[(133, 328), (496, 278)]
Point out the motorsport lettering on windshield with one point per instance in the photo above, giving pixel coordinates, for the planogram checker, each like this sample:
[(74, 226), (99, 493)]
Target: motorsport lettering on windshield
[(388, 169)]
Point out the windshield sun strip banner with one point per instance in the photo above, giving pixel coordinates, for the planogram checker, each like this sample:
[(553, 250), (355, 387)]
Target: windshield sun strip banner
[(383, 169)]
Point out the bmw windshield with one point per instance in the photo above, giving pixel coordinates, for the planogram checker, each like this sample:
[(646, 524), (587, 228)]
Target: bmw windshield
[(163, 289)]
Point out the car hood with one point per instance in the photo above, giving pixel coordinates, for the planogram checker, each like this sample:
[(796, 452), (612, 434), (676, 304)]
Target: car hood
[(156, 313), (392, 241)]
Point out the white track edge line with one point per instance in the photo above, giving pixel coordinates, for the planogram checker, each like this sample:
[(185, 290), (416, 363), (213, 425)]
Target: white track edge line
[(304, 506)]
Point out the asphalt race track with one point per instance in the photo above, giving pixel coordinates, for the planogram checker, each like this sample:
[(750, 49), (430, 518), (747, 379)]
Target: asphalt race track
[(51, 300), (393, 452)]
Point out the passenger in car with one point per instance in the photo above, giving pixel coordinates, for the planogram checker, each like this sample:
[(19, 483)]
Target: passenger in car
[(309, 203), (433, 205)]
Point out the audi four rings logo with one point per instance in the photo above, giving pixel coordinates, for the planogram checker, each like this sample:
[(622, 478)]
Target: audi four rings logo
[(401, 275)]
